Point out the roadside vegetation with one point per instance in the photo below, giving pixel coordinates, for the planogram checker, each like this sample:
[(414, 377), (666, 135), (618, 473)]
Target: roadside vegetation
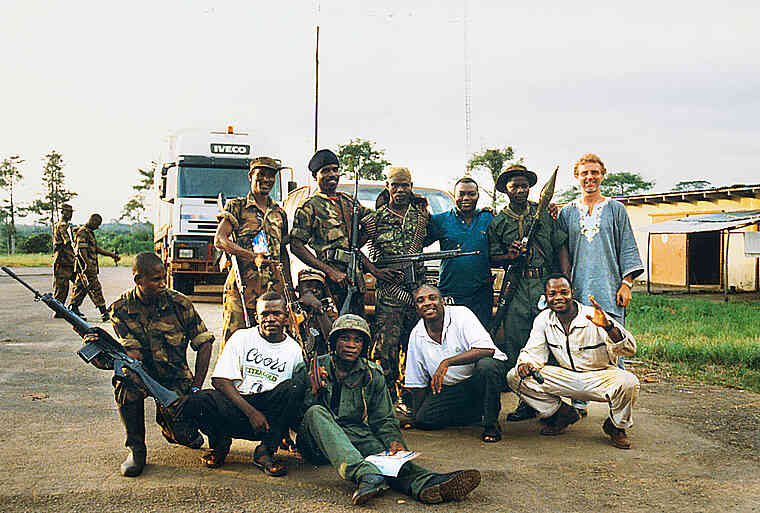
[(46, 260), (711, 341)]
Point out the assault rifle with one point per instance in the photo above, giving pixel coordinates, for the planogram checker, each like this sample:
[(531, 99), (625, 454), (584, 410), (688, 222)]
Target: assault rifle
[(105, 351), (405, 263), (353, 263), (235, 267), (514, 271)]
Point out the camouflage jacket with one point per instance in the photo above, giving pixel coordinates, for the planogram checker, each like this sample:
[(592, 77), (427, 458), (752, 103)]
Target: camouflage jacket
[(248, 222), (508, 227), (365, 409), (63, 252), (85, 240), (391, 234), (161, 332), (324, 222)]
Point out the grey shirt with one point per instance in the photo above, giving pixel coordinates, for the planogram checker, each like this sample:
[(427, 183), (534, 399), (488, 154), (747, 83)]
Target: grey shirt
[(602, 251)]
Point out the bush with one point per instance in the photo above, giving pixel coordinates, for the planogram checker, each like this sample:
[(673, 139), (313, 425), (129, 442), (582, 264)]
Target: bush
[(39, 243)]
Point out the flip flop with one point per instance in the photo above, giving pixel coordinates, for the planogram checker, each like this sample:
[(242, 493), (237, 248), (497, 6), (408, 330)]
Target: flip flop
[(263, 461)]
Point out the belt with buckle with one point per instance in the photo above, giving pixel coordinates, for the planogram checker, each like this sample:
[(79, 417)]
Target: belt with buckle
[(532, 272)]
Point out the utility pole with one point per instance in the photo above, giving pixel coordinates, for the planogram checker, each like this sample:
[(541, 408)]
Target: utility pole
[(316, 80), (467, 89)]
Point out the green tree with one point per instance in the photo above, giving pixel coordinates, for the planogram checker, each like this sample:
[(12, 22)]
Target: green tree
[(134, 210), (10, 174), (567, 195), (691, 185), (624, 183), (362, 155), (55, 193), (493, 162)]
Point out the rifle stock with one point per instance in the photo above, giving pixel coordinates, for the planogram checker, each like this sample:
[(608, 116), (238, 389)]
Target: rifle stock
[(105, 347), (220, 202)]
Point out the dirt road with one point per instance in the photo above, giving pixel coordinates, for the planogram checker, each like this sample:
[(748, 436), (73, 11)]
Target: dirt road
[(695, 448)]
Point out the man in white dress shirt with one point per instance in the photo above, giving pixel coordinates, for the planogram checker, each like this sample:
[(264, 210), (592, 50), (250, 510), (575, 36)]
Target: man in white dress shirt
[(586, 344), (453, 369)]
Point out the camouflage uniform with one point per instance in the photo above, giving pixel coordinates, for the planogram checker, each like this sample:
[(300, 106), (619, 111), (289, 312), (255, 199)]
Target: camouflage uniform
[(329, 309), (63, 261), (323, 223), (247, 220), (391, 234), (85, 240), (505, 228), (161, 332)]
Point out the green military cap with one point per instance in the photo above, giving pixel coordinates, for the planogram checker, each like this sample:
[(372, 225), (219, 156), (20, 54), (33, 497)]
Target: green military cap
[(266, 162), (511, 172), (349, 322)]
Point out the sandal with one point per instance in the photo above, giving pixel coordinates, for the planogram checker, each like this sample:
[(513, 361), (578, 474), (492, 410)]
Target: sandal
[(214, 458), (491, 434), (263, 461)]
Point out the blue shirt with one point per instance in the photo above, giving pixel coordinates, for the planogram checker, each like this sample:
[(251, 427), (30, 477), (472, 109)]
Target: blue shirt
[(462, 276)]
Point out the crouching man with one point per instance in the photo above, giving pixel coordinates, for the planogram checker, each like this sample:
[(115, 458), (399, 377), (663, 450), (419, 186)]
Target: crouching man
[(587, 344), (453, 368), (349, 415), (254, 396)]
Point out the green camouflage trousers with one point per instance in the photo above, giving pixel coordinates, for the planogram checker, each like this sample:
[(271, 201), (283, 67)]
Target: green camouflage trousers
[(95, 290), (519, 320), (62, 275), (232, 316), (390, 341)]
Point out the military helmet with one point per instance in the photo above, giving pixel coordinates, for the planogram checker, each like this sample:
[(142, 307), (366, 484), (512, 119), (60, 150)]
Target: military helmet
[(350, 322)]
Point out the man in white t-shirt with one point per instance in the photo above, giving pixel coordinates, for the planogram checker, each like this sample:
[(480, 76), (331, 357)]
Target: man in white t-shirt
[(454, 370), (254, 394)]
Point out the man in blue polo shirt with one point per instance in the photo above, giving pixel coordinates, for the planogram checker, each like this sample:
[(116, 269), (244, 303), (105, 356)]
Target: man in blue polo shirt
[(465, 279)]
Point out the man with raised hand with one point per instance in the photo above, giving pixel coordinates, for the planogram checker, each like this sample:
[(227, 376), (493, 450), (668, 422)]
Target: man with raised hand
[(348, 415), (586, 344), (453, 368), (253, 396)]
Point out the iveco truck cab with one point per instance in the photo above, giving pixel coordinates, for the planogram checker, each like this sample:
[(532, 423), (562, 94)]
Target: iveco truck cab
[(196, 167)]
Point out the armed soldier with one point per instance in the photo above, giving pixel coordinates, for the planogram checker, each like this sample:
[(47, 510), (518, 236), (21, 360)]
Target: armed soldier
[(63, 256), (397, 227), (544, 252), (88, 249), (260, 230), (323, 222), (313, 294), (155, 325)]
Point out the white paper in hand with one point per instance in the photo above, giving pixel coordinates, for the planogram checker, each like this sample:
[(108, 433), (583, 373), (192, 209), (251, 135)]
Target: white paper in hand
[(389, 465)]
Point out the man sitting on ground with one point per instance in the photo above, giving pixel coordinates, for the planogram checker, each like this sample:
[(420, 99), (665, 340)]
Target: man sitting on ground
[(453, 368), (349, 415), (254, 396), (587, 369)]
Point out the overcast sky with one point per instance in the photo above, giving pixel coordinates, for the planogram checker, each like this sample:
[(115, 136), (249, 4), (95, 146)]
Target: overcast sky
[(666, 89)]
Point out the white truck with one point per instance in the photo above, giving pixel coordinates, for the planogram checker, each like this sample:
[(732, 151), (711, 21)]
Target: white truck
[(196, 167)]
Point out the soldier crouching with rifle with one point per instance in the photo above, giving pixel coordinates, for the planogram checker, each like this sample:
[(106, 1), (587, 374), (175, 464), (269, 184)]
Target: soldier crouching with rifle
[(155, 326), (529, 243)]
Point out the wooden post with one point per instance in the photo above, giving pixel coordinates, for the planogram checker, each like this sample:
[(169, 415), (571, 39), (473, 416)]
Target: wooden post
[(725, 267), (649, 269)]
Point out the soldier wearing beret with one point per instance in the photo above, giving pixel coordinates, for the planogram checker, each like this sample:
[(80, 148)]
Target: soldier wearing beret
[(260, 231), (63, 255), (546, 253), (323, 222)]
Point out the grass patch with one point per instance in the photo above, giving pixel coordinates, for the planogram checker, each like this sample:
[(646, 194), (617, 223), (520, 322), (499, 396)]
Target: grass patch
[(46, 260), (715, 342)]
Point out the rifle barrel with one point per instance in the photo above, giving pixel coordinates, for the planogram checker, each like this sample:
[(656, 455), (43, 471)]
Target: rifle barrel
[(22, 282)]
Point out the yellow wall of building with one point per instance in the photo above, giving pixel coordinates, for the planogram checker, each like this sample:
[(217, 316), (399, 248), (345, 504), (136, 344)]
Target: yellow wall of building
[(670, 265)]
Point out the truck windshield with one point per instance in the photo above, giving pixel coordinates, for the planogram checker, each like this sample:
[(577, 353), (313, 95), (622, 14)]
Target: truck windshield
[(208, 182), (438, 201)]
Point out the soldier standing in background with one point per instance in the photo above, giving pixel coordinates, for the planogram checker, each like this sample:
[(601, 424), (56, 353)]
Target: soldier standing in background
[(397, 227), (260, 228), (63, 256), (87, 247), (323, 222)]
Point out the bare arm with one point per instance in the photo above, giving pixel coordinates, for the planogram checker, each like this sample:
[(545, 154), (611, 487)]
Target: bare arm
[(255, 417), (202, 360), (308, 258), (223, 241), (470, 356), (563, 255)]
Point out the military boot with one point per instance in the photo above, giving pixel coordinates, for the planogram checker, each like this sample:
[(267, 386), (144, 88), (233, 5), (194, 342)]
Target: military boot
[(133, 417), (75, 310), (104, 314)]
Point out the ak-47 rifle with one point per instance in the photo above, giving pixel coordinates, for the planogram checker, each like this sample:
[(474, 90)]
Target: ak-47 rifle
[(105, 352), (353, 265), (79, 264), (296, 316), (239, 284), (405, 263), (514, 271)]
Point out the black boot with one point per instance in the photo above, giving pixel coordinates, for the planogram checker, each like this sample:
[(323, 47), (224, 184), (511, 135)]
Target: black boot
[(522, 412), (133, 417), (370, 485), (75, 309), (104, 314)]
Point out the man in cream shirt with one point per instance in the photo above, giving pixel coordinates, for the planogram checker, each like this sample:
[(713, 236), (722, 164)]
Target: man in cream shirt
[(454, 370)]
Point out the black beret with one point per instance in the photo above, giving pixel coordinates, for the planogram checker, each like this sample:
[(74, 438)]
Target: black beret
[(321, 159)]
